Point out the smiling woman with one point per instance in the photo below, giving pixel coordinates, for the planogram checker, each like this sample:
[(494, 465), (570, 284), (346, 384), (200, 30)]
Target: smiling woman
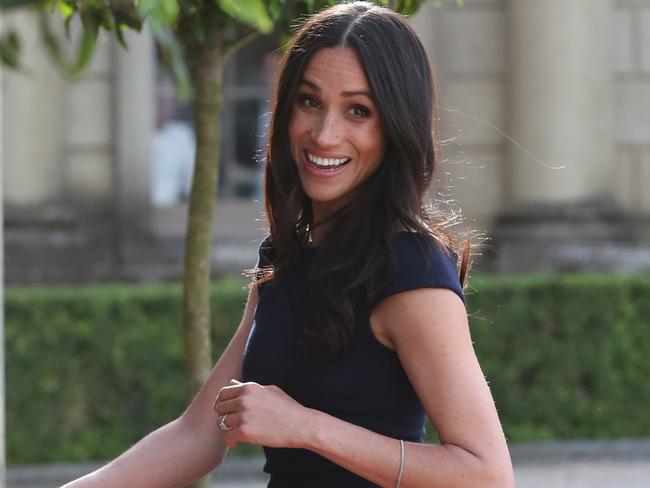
[(337, 140), (355, 329)]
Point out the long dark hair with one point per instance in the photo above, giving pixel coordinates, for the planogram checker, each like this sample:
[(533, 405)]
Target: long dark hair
[(346, 272)]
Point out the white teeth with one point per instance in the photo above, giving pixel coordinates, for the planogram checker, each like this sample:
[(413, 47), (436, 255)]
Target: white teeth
[(326, 161)]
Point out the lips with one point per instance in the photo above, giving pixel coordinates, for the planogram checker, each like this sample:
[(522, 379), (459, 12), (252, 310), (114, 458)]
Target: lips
[(324, 166)]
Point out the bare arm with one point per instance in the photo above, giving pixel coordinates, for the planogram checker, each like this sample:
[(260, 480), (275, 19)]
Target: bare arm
[(188, 447), (428, 329)]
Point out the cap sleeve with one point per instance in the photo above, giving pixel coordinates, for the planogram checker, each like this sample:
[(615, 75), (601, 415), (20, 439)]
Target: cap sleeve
[(415, 263)]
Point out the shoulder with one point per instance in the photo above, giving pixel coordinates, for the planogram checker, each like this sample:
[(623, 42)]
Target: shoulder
[(265, 252), (413, 249), (417, 262), (421, 288)]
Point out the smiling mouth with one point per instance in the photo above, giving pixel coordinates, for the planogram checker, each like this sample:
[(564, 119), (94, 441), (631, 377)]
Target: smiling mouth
[(326, 164)]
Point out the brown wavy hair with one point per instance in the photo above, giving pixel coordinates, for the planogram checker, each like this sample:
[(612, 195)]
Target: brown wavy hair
[(346, 272)]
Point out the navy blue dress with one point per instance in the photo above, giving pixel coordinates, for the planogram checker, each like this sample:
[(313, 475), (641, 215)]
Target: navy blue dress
[(368, 387)]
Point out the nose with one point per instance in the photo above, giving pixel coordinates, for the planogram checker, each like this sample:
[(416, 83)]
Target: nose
[(328, 132)]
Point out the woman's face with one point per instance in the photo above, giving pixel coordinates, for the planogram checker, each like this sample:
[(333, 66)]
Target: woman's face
[(337, 140)]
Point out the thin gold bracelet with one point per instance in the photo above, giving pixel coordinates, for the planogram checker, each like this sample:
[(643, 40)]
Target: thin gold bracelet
[(401, 463)]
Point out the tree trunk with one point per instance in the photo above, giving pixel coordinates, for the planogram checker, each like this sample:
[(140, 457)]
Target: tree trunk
[(3, 459), (207, 79)]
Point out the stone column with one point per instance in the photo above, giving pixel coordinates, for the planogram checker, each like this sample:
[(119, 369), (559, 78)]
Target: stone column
[(34, 101), (424, 24), (561, 98), (135, 111), (560, 212)]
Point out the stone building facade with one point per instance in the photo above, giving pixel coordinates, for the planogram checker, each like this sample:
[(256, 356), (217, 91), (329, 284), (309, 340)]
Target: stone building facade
[(545, 116)]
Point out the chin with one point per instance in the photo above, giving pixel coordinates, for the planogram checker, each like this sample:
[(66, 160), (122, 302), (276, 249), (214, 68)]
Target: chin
[(322, 198), (328, 200)]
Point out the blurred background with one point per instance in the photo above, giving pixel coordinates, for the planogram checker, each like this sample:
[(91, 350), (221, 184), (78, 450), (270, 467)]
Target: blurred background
[(544, 113), (543, 107)]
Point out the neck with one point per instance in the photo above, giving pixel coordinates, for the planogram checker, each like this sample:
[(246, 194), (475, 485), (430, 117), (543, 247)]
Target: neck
[(321, 211), (321, 221)]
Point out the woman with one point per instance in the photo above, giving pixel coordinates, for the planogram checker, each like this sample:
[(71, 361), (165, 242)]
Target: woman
[(355, 328)]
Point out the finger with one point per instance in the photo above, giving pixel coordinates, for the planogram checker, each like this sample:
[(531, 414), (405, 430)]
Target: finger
[(231, 438), (228, 392), (231, 441), (224, 407)]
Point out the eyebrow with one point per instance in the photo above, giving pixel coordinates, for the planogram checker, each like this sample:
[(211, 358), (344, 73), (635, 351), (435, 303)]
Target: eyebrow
[(351, 93)]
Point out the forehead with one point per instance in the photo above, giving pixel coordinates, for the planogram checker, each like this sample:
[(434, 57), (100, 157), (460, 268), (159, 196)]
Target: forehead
[(336, 66)]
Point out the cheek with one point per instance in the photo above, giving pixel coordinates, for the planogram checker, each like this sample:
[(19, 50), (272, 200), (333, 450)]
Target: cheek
[(297, 124), (374, 147)]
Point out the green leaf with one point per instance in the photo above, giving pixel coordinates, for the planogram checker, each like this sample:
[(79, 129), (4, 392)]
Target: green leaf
[(120, 35), (438, 3), (164, 12), (197, 28), (90, 19), (275, 8), (105, 19), (127, 18), (410, 7), (72, 68), (311, 6), (65, 9), (66, 26), (174, 52), (123, 20), (10, 50), (86, 51), (252, 12)]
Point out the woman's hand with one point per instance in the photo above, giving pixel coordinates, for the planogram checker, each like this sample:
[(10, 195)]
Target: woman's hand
[(263, 415)]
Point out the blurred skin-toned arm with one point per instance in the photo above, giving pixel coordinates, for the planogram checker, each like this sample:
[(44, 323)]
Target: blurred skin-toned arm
[(188, 447), (428, 329)]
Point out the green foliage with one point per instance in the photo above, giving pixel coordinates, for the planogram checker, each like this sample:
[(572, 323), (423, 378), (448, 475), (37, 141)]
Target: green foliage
[(10, 49), (252, 12), (179, 26), (439, 3), (161, 11), (92, 370), (93, 15), (85, 49), (406, 7), (566, 355)]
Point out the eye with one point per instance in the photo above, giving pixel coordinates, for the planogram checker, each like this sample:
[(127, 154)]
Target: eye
[(359, 111), (307, 101)]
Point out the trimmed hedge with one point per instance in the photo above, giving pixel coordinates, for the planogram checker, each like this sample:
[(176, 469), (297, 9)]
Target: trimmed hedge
[(91, 370), (568, 356)]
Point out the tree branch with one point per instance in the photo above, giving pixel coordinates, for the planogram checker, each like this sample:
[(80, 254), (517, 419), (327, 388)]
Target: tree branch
[(246, 36)]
